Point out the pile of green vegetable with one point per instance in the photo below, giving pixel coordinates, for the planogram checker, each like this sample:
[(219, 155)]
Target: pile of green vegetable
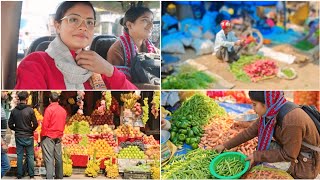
[(237, 67), (229, 167), (193, 165), (187, 121), (288, 72), (188, 78)]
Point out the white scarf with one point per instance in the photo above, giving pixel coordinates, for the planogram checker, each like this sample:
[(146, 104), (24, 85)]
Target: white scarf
[(74, 75)]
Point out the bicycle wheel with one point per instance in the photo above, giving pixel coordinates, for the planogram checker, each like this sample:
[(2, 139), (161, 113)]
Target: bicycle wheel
[(256, 34)]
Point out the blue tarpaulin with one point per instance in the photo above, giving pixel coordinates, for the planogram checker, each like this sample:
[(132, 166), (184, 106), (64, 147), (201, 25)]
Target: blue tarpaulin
[(235, 108), (252, 3)]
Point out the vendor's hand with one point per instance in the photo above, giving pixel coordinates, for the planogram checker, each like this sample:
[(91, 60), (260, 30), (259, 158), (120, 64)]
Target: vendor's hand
[(237, 43), (219, 148), (243, 42), (250, 158), (92, 61)]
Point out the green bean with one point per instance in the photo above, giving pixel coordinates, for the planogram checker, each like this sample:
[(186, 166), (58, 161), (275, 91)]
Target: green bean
[(229, 167), (194, 165)]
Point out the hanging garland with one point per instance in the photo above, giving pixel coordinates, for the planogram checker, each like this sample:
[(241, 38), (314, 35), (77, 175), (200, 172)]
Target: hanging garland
[(155, 104)]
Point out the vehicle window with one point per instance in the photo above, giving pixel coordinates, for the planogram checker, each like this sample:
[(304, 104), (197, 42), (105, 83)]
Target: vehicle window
[(38, 22)]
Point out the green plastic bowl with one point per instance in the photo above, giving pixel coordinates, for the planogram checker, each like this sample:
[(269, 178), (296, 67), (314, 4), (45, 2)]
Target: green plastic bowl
[(228, 155)]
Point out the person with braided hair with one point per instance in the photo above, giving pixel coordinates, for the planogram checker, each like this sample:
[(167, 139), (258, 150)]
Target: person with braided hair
[(137, 25), (296, 138)]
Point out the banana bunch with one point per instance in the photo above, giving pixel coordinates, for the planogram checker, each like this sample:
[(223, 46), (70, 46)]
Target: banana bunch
[(93, 166), (111, 169), (145, 109), (37, 114), (108, 99), (155, 170), (29, 99), (67, 164), (129, 100)]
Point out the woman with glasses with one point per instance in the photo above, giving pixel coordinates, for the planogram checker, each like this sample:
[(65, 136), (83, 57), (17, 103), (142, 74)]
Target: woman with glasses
[(65, 64), (138, 25)]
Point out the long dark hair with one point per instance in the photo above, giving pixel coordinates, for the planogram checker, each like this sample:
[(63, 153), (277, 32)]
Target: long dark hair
[(133, 14), (66, 5), (257, 96)]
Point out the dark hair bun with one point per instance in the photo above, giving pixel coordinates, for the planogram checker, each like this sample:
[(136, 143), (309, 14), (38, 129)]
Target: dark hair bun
[(121, 22)]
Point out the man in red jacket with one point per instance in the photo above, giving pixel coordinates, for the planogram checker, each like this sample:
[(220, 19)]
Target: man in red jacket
[(53, 124)]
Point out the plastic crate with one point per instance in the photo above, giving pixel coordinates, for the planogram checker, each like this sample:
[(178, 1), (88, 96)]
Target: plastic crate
[(102, 166), (40, 171), (79, 160), (12, 150), (122, 139), (136, 175)]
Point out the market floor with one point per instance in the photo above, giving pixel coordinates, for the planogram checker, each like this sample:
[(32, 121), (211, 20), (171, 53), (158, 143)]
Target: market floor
[(304, 80)]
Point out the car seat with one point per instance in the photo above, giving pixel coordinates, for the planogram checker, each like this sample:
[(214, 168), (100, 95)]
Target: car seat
[(40, 44), (102, 43)]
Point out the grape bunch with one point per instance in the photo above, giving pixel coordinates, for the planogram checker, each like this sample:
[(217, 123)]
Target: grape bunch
[(145, 109), (129, 100), (108, 99), (155, 104)]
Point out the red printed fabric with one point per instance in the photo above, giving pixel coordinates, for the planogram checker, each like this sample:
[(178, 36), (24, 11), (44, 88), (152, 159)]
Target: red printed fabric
[(130, 51), (274, 100)]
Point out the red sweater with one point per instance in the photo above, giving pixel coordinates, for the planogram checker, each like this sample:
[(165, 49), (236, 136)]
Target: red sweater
[(54, 121), (38, 71)]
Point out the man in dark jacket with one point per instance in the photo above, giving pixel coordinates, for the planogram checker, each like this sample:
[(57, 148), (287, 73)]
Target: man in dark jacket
[(23, 121)]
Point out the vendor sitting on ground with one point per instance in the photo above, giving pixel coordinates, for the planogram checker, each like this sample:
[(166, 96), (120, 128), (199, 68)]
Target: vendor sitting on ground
[(225, 42)]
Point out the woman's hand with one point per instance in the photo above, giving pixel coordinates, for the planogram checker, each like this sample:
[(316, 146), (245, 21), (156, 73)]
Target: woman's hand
[(92, 61), (250, 158), (219, 148)]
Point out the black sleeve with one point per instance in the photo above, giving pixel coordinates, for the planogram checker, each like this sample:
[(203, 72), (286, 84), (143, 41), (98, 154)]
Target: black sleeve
[(34, 120), (11, 121)]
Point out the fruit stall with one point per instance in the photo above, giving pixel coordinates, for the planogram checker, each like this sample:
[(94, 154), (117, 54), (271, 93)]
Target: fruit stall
[(110, 133), (205, 120)]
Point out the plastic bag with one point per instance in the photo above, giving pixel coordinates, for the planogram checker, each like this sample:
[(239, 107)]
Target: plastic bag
[(202, 46), (186, 39), (208, 35), (185, 24), (208, 20), (172, 44), (195, 31)]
